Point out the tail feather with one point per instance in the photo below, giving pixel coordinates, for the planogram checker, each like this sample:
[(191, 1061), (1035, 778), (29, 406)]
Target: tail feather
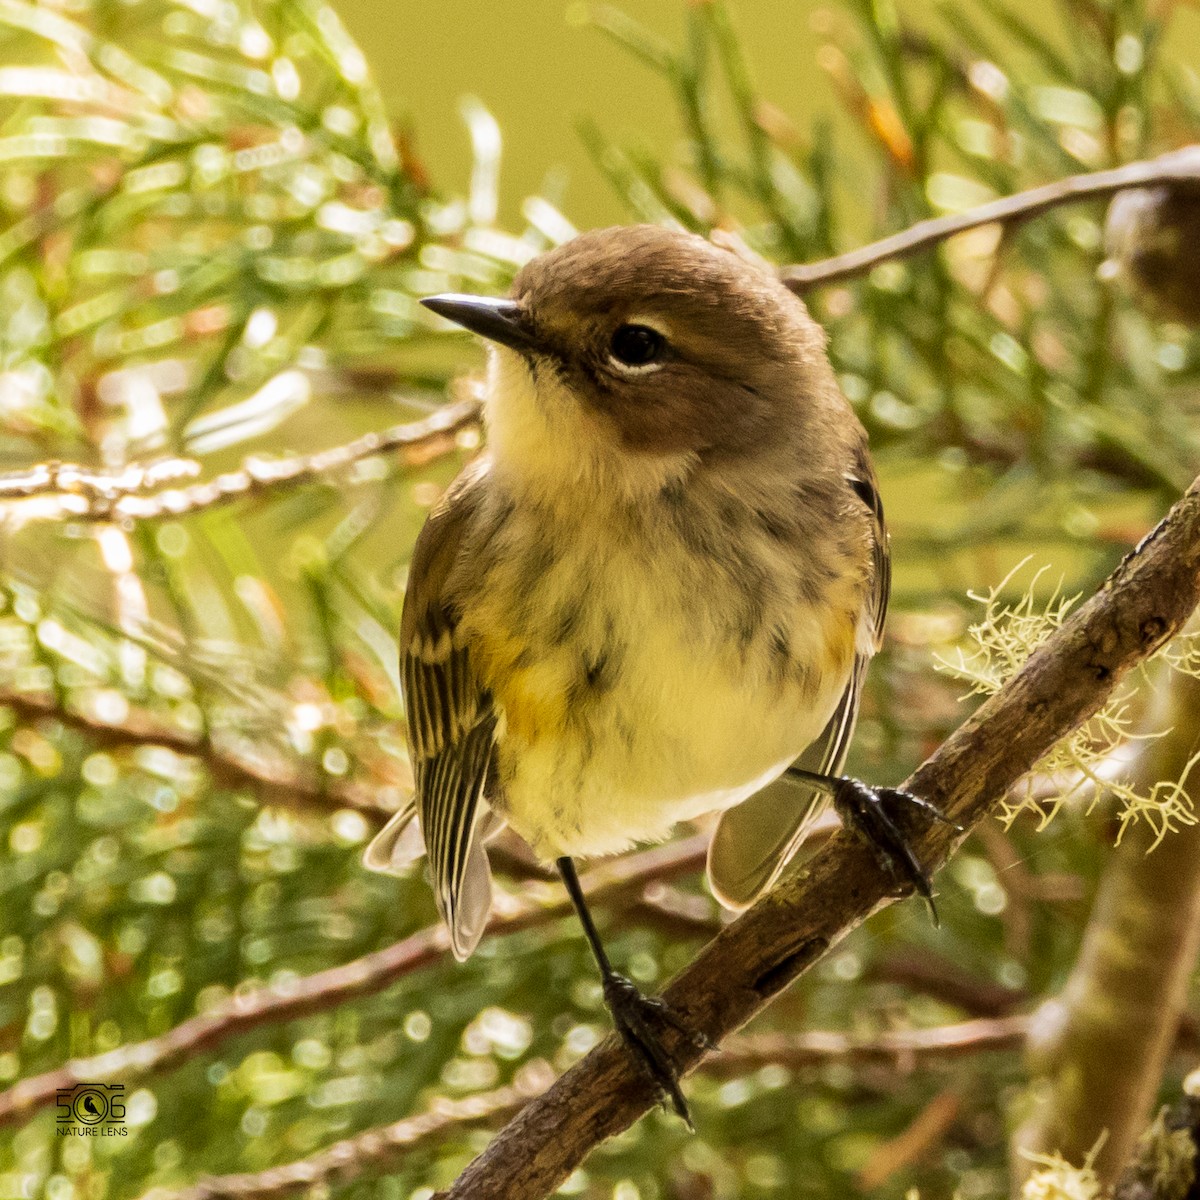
[(755, 841)]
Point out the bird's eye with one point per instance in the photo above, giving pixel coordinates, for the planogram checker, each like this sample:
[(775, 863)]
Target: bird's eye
[(637, 346)]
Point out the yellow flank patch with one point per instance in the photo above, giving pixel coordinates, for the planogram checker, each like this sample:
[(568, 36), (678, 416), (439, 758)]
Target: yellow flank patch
[(527, 696), (838, 650), (841, 602), (529, 712)]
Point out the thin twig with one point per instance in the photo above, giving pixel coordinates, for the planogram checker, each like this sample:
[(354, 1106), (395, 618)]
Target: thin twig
[(270, 776), (1143, 604), (931, 974), (924, 1132), (741, 1055), (1182, 167), (536, 903), (72, 479), (67, 491), (375, 1149)]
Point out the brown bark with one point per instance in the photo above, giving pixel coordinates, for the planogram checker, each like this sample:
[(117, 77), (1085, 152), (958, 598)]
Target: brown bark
[(262, 771)]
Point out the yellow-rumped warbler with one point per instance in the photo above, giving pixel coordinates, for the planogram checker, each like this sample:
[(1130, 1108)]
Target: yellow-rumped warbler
[(654, 596)]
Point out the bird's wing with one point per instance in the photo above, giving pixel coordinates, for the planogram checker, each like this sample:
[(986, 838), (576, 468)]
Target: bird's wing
[(755, 841), (451, 729)]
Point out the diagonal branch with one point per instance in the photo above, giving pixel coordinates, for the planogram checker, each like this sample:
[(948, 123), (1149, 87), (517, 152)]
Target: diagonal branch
[(535, 904), (1144, 603), (1179, 168)]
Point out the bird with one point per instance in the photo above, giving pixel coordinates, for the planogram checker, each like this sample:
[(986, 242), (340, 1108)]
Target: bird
[(652, 597)]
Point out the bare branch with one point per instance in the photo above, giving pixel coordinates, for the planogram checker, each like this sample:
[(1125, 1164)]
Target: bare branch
[(536, 903), (67, 491), (1145, 602), (1181, 167)]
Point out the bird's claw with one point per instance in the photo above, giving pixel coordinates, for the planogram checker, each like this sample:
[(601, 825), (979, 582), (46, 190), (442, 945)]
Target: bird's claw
[(873, 813), (640, 1020)]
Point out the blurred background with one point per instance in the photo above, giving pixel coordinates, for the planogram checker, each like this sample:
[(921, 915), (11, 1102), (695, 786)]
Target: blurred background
[(541, 72), (224, 416)]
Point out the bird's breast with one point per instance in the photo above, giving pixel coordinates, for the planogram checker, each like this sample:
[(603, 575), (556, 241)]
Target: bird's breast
[(651, 669)]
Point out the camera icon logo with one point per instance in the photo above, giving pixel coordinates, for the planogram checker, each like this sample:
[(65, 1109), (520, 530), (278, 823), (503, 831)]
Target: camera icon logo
[(91, 1103)]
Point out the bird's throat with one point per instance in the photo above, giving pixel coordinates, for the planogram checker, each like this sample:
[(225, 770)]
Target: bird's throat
[(552, 449)]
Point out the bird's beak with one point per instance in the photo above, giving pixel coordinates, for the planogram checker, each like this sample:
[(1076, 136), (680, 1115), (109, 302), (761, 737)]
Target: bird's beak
[(500, 321)]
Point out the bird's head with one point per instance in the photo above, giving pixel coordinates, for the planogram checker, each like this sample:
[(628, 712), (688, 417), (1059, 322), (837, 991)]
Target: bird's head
[(646, 349)]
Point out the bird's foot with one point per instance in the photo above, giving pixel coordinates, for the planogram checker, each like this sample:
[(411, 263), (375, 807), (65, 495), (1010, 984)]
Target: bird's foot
[(878, 814), (641, 1020)]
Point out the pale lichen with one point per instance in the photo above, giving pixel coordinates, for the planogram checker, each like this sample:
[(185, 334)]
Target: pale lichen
[(1087, 763), (1166, 1158), (1055, 1179)]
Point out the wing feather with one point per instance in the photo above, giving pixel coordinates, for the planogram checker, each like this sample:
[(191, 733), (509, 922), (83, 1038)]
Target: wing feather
[(755, 841), (451, 727)]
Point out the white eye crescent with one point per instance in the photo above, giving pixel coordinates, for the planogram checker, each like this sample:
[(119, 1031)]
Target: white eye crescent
[(637, 348)]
